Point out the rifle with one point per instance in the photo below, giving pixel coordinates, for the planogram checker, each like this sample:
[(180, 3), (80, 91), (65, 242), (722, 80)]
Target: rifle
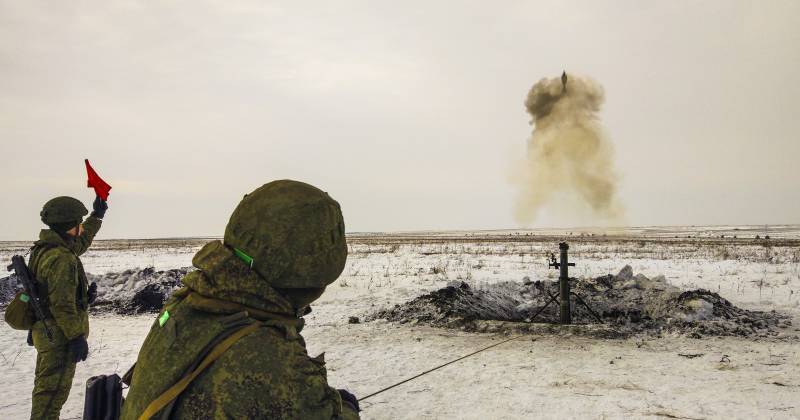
[(29, 283)]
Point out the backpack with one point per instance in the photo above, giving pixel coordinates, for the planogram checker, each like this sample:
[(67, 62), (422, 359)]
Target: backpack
[(103, 398)]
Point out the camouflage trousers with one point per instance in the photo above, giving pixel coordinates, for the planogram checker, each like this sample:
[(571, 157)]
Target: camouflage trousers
[(54, 373)]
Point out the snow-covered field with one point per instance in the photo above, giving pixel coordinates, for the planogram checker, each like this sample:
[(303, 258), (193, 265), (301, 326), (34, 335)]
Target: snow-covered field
[(538, 375)]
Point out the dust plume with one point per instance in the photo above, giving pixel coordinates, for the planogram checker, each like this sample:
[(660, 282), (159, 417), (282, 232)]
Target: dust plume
[(569, 167)]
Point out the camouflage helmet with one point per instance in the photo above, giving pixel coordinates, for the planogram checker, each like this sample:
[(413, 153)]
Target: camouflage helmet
[(62, 210), (291, 234)]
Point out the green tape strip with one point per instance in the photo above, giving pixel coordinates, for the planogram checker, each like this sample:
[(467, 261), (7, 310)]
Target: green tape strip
[(246, 258), (25, 298), (163, 318)]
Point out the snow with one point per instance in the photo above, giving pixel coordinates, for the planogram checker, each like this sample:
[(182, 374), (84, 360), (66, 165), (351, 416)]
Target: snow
[(113, 345), (550, 373)]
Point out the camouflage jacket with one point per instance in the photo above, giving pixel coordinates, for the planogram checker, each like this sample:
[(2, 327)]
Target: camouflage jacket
[(62, 282), (266, 374)]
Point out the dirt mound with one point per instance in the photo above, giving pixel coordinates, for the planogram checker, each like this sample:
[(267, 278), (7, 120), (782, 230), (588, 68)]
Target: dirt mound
[(138, 290), (126, 292), (624, 303), (8, 289)]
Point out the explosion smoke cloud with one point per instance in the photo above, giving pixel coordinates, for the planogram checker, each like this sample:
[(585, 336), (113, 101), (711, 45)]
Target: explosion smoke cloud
[(569, 163)]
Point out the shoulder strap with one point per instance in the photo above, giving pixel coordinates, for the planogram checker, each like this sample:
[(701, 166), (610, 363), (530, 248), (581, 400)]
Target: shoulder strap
[(36, 251), (36, 255), (175, 390), (33, 267)]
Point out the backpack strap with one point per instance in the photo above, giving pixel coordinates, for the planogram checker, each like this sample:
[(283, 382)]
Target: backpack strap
[(175, 390), (36, 252), (33, 267)]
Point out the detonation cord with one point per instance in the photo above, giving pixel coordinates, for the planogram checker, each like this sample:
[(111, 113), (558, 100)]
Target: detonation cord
[(438, 367)]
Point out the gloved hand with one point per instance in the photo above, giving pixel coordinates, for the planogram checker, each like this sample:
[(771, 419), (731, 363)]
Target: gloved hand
[(349, 399), (78, 348), (99, 207), (91, 294)]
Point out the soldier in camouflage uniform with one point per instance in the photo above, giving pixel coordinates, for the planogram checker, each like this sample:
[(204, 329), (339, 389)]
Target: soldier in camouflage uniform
[(283, 245), (63, 285)]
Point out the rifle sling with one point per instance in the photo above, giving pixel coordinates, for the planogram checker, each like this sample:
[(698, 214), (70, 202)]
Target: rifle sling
[(175, 390)]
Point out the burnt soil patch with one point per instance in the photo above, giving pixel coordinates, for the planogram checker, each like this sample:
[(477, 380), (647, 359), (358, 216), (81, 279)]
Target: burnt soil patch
[(625, 305)]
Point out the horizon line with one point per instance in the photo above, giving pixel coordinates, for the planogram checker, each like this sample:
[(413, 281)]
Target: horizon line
[(419, 231)]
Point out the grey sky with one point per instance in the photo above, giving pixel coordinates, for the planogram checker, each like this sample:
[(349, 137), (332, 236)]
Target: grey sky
[(409, 113)]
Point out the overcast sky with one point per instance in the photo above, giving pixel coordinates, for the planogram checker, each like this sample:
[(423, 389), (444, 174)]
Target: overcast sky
[(409, 113)]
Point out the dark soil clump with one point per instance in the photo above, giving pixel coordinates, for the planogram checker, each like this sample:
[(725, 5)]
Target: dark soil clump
[(8, 289), (138, 290)]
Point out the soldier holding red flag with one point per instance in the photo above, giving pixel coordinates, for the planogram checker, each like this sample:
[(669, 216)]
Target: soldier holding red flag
[(63, 286)]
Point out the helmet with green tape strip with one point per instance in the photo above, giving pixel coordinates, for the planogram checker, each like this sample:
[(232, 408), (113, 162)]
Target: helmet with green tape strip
[(291, 233)]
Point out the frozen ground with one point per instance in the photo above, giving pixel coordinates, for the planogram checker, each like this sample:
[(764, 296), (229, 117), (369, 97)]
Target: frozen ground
[(548, 374)]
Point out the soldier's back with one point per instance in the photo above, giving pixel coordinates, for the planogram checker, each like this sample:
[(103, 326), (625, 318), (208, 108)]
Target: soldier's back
[(265, 374)]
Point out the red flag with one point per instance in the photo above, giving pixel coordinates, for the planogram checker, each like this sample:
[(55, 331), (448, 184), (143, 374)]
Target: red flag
[(100, 187)]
